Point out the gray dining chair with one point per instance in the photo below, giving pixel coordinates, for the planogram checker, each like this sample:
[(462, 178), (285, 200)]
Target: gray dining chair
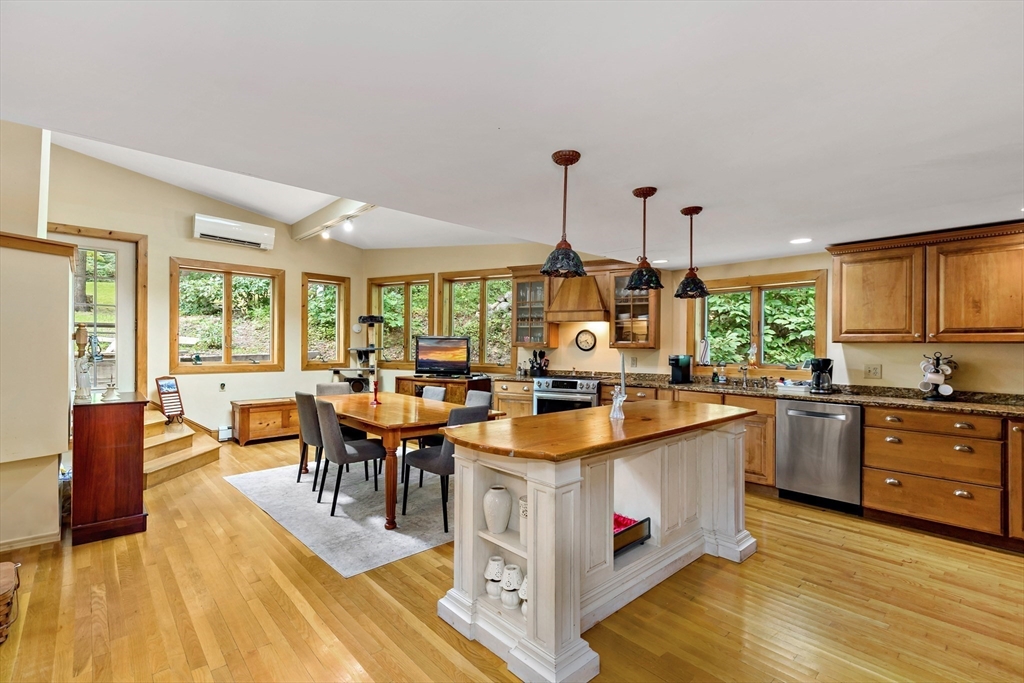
[(478, 398), (431, 394), (309, 433), (342, 452), (440, 460), (352, 434)]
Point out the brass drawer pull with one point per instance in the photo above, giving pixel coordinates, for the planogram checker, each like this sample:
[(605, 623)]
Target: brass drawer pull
[(893, 439), (527, 387), (960, 493), (641, 394), (893, 418), (893, 482), (504, 387), (1016, 429), (963, 425), (963, 448)]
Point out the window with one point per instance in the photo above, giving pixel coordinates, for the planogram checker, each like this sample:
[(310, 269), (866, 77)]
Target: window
[(405, 304), (96, 306), (325, 321), (225, 318), (767, 321), (478, 304)]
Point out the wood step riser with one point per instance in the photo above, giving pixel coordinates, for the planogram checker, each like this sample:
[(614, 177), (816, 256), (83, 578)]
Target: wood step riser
[(154, 429), (180, 468), (168, 447)]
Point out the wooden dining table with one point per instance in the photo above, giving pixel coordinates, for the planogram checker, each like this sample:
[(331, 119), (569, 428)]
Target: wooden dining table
[(396, 417)]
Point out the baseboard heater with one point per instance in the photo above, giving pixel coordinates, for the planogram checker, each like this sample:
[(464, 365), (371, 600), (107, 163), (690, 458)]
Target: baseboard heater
[(629, 532)]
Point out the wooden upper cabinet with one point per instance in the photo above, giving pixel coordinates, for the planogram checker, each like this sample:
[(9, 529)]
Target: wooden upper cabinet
[(634, 315), (878, 296), (976, 290), (531, 296), (954, 286)]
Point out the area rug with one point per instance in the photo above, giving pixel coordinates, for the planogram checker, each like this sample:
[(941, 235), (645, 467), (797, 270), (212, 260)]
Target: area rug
[(354, 540)]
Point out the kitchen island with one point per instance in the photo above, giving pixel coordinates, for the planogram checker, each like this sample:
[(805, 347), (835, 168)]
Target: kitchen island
[(678, 464)]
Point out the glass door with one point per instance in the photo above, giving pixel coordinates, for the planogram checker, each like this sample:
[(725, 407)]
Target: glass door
[(530, 312), (631, 325)]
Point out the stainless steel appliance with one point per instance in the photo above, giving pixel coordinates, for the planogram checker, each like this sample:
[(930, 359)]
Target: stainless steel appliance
[(821, 375), (555, 394), (817, 449), (680, 366)]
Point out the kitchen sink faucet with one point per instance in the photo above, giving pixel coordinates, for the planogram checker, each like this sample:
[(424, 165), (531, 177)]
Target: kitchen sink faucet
[(744, 368)]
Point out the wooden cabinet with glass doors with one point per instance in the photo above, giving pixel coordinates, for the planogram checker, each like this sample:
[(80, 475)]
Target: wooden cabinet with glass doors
[(531, 298), (634, 315)]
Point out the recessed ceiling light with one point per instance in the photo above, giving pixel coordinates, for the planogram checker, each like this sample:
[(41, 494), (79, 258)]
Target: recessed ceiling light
[(660, 260), (800, 240), (326, 234), (347, 225)]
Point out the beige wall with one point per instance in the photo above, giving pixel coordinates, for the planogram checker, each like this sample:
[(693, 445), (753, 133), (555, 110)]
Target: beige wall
[(87, 192), (29, 502), (24, 179)]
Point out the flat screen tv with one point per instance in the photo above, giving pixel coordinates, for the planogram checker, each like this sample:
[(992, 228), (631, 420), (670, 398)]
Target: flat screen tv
[(442, 355)]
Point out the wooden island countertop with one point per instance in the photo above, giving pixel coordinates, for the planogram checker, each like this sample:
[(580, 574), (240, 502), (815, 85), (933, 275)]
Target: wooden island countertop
[(557, 437)]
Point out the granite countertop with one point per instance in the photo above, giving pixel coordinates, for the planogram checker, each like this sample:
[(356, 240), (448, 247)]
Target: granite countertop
[(972, 403)]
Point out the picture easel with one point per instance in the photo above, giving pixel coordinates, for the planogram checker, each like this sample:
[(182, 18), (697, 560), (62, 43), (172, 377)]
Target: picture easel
[(170, 399)]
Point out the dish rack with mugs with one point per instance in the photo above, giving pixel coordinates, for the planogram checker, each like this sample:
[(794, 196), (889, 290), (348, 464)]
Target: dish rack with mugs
[(937, 370)]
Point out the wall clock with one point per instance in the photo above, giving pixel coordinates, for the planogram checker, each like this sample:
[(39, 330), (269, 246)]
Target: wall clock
[(586, 340)]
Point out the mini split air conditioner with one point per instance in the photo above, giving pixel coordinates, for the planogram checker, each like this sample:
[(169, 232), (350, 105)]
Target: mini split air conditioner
[(233, 232)]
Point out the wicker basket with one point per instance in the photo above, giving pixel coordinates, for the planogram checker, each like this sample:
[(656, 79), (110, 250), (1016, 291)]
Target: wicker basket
[(9, 582)]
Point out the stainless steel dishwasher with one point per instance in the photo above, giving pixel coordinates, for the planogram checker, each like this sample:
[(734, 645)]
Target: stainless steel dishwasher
[(817, 450)]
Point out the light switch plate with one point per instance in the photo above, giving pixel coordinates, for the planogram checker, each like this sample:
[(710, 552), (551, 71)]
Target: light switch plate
[(873, 371), (632, 361)]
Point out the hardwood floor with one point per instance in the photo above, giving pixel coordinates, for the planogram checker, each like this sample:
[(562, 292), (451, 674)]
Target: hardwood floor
[(216, 590)]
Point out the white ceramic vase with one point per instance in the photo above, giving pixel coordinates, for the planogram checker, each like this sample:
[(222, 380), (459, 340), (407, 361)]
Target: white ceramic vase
[(497, 508), (494, 589), (523, 510), (510, 599)]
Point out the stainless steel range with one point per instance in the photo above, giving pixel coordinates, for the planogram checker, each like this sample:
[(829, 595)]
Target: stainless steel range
[(555, 394)]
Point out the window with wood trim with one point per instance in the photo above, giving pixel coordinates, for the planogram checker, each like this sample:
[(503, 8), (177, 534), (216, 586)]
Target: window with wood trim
[(478, 304), (770, 321), (325, 321), (225, 317), (405, 302)]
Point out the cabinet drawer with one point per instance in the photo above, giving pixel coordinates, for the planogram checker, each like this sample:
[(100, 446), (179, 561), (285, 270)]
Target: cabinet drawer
[(946, 457), (950, 502), (632, 393), (699, 397), (763, 406), (506, 387), (972, 426)]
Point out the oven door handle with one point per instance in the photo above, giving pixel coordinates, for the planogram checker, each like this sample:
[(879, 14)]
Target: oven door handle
[(588, 398)]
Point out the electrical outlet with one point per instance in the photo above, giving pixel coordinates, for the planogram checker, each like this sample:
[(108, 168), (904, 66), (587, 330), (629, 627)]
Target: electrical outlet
[(873, 371), (632, 361)]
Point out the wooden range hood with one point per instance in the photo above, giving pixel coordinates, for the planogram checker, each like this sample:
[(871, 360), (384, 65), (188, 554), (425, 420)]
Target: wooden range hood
[(577, 299)]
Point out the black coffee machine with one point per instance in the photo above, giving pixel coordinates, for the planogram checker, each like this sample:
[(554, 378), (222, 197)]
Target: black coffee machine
[(680, 366), (821, 375)]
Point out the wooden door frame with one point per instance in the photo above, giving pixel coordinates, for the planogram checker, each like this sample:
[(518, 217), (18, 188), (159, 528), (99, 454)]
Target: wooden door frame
[(141, 289)]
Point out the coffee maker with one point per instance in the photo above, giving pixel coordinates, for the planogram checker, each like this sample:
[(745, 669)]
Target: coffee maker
[(821, 375), (680, 366)]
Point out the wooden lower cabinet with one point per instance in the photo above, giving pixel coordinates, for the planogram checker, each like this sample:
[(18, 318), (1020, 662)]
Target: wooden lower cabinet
[(454, 389), (699, 397), (970, 506), (513, 398), (759, 442), (1015, 478)]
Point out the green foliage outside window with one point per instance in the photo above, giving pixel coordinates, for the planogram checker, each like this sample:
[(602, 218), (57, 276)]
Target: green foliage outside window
[(465, 318), (322, 304), (728, 326), (789, 322), (201, 318), (392, 308)]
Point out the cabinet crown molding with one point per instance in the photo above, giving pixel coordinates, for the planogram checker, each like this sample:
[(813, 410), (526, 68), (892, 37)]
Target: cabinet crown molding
[(928, 238)]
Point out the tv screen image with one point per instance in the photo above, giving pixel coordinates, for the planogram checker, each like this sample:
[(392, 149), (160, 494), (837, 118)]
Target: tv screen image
[(442, 355)]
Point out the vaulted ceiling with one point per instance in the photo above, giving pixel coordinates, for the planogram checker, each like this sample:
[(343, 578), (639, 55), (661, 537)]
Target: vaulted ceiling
[(829, 120)]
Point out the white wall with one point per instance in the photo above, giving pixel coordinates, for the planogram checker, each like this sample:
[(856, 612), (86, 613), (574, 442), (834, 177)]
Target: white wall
[(90, 193)]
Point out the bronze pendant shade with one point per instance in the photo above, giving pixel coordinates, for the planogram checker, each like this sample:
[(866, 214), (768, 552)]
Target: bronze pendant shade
[(691, 286), (644, 277), (563, 261)]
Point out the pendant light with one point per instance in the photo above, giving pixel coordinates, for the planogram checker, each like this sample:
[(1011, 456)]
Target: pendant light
[(563, 261), (644, 277), (691, 287)]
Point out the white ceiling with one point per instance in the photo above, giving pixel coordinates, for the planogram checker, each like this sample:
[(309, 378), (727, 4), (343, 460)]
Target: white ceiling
[(281, 202), (834, 120), (389, 229)]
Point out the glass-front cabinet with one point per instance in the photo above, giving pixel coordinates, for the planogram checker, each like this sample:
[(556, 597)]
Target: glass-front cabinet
[(528, 327), (634, 315)]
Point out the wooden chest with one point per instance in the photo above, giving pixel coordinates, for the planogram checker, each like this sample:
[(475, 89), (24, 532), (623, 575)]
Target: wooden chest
[(263, 418)]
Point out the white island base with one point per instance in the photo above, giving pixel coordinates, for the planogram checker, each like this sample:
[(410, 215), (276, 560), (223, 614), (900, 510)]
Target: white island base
[(689, 484)]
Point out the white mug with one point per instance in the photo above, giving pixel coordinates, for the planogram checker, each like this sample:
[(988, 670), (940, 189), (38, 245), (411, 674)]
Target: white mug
[(945, 389), (945, 370), (935, 377), (925, 385)]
